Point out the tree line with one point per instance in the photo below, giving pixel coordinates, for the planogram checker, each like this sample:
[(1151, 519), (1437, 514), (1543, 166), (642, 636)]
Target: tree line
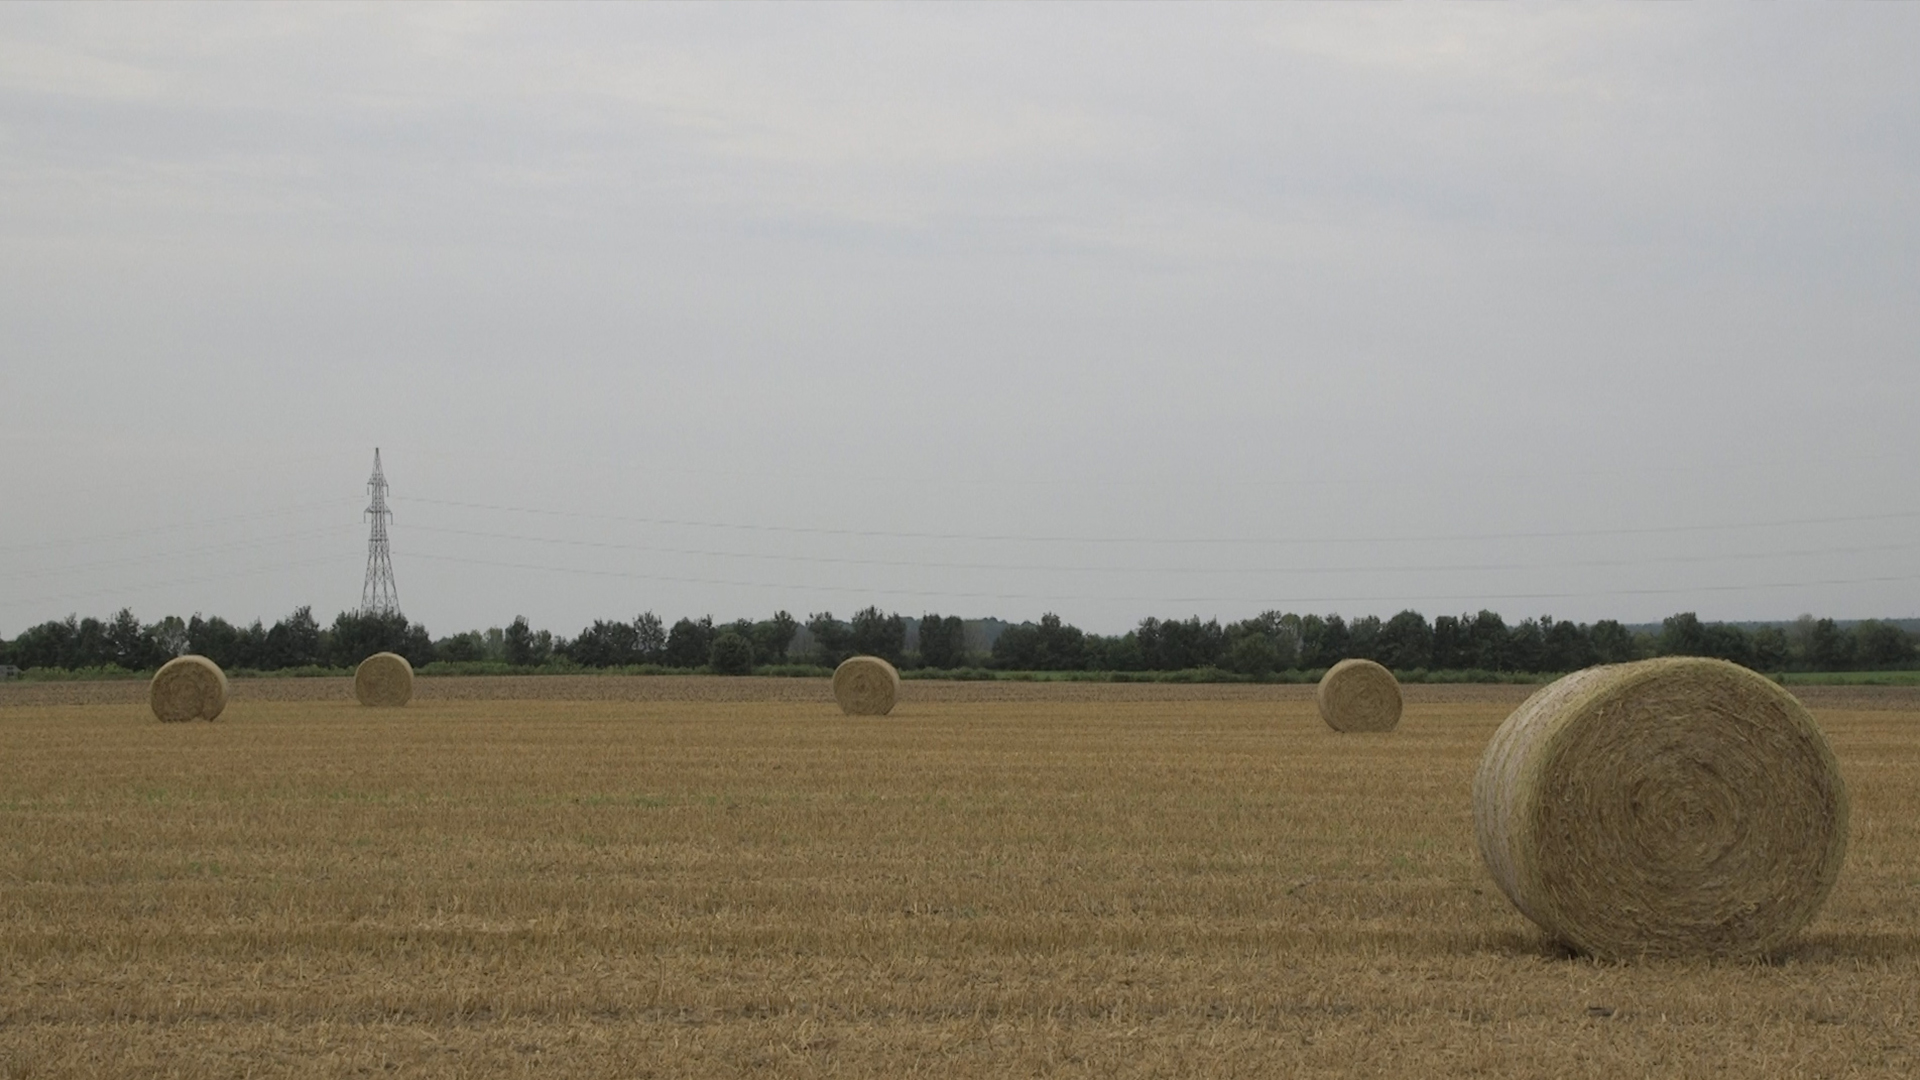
[(1277, 641), (297, 641), (1266, 644)]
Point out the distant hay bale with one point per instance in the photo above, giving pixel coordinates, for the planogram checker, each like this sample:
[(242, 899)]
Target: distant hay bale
[(866, 686), (383, 679), (1359, 695), (1673, 807), (188, 688)]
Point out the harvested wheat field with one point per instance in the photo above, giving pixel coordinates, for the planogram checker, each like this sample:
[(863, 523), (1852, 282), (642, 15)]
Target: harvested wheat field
[(717, 877)]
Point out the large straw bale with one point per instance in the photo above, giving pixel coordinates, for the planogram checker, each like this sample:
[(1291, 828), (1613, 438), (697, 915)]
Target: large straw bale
[(866, 686), (1670, 807), (383, 679), (1359, 695), (188, 688)]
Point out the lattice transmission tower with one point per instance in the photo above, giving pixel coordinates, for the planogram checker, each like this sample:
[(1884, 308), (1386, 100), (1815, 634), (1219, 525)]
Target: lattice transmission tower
[(379, 597)]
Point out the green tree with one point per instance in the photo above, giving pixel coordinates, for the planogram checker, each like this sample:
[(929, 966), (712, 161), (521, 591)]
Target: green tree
[(1049, 645), (523, 647), (219, 641), (1683, 635), (465, 647), (1489, 641), (253, 647), (1363, 637), (91, 647), (358, 635), (1254, 654), (732, 654), (772, 637), (1063, 646), (875, 634), (1406, 642), (649, 638), (130, 644), (1770, 649), (943, 641), (1324, 642), (1017, 648), (1279, 630), (1176, 645), (606, 644), (1452, 649), (48, 645), (1724, 641), (170, 634), (293, 641), (1527, 646), (1116, 653), (690, 643), (1286, 641), (1829, 648), (831, 638), (1612, 642), (1567, 646), (1799, 642), (1881, 645)]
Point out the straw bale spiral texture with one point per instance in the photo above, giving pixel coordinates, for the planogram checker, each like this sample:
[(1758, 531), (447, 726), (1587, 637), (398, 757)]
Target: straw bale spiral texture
[(384, 679), (188, 688), (1672, 807), (1359, 695), (866, 686)]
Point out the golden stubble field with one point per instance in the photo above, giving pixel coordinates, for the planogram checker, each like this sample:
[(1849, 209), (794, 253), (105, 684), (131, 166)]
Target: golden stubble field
[(707, 877)]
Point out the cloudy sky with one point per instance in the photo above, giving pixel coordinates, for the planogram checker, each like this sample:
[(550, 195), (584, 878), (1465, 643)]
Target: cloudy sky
[(982, 310)]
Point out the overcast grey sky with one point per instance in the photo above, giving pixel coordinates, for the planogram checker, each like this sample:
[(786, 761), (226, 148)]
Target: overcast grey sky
[(1597, 311)]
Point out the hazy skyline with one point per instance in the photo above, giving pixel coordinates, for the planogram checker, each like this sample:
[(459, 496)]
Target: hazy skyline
[(981, 310)]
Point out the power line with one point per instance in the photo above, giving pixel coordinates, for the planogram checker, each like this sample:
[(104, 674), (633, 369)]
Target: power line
[(1321, 479), (1272, 601), (152, 557), (1081, 568), (1149, 540), (155, 530), (222, 576)]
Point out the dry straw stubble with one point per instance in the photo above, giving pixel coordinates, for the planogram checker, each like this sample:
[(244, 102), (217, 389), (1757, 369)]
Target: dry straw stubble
[(188, 688), (1359, 695), (866, 686), (1670, 807), (609, 875), (383, 679)]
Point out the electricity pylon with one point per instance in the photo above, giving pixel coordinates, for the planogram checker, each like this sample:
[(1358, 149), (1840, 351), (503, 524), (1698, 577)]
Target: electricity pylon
[(379, 597)]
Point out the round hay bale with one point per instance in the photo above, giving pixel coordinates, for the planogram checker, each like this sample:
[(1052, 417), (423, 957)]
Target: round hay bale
[(1359, 695), (866, 686), (384, 679), (188, 688), (1672, 807)]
